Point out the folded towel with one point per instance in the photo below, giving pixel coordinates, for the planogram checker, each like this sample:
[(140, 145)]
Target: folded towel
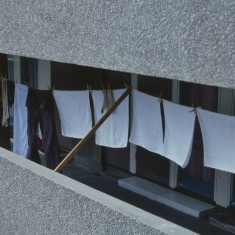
[(146, 128), (75, 112), (218, 134), (114, 131)]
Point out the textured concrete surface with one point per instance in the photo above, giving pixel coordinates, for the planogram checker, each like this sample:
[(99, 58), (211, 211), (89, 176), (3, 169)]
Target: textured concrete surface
[(36, 200), (190, 40)]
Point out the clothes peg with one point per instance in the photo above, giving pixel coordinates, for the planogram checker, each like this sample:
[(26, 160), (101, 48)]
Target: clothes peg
[(127, 86), (193, 108), (102, 86), (89, 89), (27, 84), (160, 97)]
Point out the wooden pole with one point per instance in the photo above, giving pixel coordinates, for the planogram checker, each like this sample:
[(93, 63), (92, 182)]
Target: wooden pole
[(92, 131)]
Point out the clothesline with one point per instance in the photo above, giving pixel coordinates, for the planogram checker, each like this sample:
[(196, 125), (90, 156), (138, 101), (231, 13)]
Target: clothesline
[(177, 150), (179, 129)]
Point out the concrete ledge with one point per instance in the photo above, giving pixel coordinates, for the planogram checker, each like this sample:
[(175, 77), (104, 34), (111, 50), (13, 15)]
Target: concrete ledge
[(167, 196), (222, 225), (36, 200), (185, 40)]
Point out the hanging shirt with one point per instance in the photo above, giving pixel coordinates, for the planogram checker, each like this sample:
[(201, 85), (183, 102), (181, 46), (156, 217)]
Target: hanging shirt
[(20, 136), (218, 134), (146, 130), (75, 112), (179, 130), (114, 131)]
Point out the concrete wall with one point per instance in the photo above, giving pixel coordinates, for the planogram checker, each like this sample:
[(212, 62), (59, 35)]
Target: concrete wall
[(36, 200), (178, 39)]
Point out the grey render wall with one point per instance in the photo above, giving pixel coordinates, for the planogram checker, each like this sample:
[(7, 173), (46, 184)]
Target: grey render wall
[(36, 200), (191, 40)]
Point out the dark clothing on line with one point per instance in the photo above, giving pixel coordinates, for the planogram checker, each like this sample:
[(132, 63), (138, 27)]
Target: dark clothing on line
[(10, 92), (40, 106), (4, 131)]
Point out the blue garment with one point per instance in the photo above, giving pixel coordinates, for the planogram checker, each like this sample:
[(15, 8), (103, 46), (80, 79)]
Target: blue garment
[(20, 145)]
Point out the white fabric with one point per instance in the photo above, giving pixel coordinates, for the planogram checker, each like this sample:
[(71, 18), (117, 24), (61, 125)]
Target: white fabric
[(179, 129), (75, 112), (108, 99), (218, 134), (5, 108), (146, 128), (20, 136), (114, 131)]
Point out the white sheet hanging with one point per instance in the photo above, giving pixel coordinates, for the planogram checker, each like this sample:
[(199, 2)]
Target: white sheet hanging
[(20, 136), (218, 133), (146, 128), (179, 129), (74, 111), (114, 131)]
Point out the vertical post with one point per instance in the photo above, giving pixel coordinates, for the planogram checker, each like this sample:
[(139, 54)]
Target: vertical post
[(17, 72), (223, 180), (173, 174), (44, 74), (134, 84)]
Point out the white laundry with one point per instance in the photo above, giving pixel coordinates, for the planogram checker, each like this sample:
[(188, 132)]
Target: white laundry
[(146, 128), (20, 136), (218, 134), (179, 130), (114, 131), (75, 112), (108, 99), (5, 108)]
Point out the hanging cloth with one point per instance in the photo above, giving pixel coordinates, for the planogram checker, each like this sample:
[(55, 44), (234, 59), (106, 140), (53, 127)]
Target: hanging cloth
[(108, 99), (5, 108), (218, 134), (20, 136), (114, 131), (40, 107), (75, 112), (146, 130), (179, 130)]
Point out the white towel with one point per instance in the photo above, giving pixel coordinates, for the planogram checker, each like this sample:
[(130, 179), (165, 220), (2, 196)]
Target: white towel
[(179, 130), (114, 131), (146, 128), (218, 134), (75, 112), (20, 145)]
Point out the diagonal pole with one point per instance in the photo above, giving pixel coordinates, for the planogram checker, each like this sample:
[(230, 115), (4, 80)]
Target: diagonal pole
[(92, 131)]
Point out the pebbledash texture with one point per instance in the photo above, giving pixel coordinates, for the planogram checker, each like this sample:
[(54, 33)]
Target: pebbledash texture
[(177, 39), (36, 200)]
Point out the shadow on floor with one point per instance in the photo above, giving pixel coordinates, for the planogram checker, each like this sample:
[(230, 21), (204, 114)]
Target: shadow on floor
[(89, 173)]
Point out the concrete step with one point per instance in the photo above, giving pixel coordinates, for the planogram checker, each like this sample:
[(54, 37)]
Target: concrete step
[(167, 196)]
